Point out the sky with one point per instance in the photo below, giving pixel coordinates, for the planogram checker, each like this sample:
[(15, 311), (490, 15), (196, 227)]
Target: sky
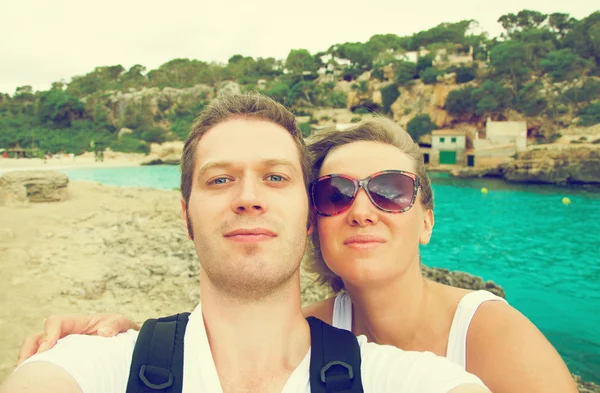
[(43, 41)]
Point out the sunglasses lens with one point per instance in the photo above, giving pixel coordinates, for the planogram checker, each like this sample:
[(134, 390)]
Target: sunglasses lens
[(332, 195), (392, 191)]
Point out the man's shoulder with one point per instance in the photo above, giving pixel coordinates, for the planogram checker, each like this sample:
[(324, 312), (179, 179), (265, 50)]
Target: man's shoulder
[(97, 364), (388, 368)]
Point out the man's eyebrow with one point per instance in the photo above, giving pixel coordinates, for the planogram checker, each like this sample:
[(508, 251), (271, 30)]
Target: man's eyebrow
[(279, 161), (229, 164), (214, 164)]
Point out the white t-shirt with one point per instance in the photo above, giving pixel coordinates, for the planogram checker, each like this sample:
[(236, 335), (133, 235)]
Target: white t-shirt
[(101, 365)]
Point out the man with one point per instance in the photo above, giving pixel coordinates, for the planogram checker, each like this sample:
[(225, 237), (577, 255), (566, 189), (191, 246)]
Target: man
[(244, 175)]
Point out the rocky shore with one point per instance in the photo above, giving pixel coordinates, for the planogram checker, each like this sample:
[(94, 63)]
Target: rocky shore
[(111, 249)]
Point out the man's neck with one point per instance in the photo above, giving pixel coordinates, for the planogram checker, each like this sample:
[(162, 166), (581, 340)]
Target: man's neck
[(256, 341)]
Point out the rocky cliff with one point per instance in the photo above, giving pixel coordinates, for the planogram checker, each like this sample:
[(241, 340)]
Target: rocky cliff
[(555, 164)]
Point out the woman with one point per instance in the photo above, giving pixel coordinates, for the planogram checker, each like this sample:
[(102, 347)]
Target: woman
[(374, 207)]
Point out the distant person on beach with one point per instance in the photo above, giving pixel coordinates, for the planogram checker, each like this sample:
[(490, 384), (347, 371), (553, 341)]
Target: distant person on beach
[(366, 248), (246, 209)]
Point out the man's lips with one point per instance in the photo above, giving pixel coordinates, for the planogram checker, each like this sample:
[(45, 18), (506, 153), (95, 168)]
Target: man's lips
[(252, 235), (362, 242)]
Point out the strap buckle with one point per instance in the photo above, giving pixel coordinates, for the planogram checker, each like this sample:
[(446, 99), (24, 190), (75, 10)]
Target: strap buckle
[(157, 374), (339, 378)]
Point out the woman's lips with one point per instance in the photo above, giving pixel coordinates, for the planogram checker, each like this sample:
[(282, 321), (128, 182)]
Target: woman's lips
[(363, 242)]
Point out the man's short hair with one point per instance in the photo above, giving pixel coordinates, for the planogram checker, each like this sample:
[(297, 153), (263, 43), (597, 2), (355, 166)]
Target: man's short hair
[(227, 107)]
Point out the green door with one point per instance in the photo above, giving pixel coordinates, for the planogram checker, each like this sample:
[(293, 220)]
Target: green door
[(470, 160), (447, 157)]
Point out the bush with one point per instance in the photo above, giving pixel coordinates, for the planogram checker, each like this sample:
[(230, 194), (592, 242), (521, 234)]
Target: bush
[(154, 135), (389, 95), (336, 99), (378, 73), (406, 72), (361, 110), (461, 101), (465, 74), (355, 119), (420, 125), (127, 144), (305, 128), (589, 115), (424, 62), (429, 75)]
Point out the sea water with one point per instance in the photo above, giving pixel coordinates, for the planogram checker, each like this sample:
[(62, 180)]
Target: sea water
[(545, 254)]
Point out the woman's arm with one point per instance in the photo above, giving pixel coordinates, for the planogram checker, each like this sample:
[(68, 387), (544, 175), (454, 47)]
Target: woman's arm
[(509, 354), (59, 326)]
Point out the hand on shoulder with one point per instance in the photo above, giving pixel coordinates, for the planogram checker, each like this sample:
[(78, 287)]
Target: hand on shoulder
[(59, 326)]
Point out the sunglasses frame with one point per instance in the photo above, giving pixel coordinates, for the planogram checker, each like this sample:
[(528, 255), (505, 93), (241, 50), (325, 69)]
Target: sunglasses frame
[(363, 183)]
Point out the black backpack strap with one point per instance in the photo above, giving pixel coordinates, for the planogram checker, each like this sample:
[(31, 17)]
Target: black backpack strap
[(157, 363), (334, 360)]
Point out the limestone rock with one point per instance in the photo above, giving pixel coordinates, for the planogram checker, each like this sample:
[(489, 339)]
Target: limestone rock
[(461, 280), (229, 88), (22, 187), (124, 131), (555, 165)]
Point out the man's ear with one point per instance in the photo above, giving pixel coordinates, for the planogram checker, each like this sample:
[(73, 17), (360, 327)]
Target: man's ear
[(186, 220), (428, 222)]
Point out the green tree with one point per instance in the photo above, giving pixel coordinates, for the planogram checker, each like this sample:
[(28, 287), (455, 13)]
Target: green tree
[(564, 65), (429, 75), (424, 62), (389, 95), (360, 55), (529, 100), (512, 61), (460, 102), (491, 98), (589, 115), (584, 38), (420, 125), (405, 72), (58, 109), (299, 61)]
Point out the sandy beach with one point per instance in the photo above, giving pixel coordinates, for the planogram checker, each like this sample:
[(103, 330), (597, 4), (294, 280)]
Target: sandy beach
[(57, 162)]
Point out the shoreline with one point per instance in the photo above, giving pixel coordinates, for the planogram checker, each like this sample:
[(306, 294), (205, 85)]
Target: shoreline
[(79, 162)]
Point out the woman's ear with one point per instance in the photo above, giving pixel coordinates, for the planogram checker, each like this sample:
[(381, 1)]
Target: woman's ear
[(428, 222), (310, 225)]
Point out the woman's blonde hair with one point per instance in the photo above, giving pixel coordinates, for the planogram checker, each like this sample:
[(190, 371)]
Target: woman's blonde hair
[(377, 129)]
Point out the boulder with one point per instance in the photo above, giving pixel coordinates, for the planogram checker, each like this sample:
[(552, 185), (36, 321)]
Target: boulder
[(22, 187)]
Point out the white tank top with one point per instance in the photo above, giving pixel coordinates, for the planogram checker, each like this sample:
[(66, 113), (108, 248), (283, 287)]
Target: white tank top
[(457, 339)]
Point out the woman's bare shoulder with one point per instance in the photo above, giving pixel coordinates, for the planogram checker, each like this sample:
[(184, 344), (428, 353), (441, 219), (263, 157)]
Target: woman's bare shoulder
[(509, 353), (322, 310)]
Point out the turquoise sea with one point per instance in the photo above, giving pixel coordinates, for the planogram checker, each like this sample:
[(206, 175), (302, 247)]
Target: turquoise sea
[(544, 253)]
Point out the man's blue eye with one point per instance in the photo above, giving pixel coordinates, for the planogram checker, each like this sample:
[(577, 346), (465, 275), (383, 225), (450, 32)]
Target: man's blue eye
[(221, 180), (276, 178)]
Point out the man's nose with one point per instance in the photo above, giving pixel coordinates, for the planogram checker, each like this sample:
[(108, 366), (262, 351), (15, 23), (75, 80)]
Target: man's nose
[(249, 200)]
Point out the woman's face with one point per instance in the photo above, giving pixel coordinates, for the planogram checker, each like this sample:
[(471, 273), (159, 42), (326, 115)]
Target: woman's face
[(345, 238)]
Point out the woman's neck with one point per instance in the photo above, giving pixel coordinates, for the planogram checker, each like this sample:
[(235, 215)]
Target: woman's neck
[(397, 312)]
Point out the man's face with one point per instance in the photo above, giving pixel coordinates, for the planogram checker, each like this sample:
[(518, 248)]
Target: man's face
[(248, 207)]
